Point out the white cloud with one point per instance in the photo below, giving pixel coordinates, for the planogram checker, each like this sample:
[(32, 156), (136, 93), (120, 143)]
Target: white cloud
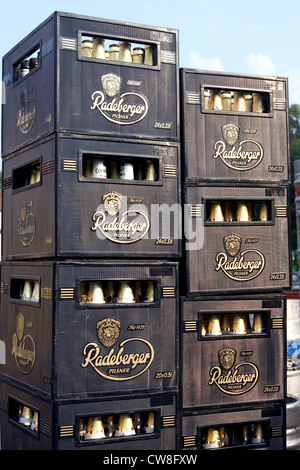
[(294, 88), (260, 64), (196, 61)]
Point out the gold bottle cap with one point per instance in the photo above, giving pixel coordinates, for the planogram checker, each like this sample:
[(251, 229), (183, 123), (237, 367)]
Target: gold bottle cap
[(206, 99), (263, 211), (239, 101), (248, 102), (34, 424), (213, 325), (35, 296), (258, 433), (138, 55), (150, 171), (113, 52), (257, 323), (95, 429), (149, 55), (149, 428), (238, 324), (226, 100), (98, 48), (242, 212), (216, 213), (217, 101), (257, 105), (125, 294), (213, 439), (125, 426), (87, 48), (26, 417), (149, 296), (82, 428), (125, 51), (246, 433), (95, 293), (27, 290)]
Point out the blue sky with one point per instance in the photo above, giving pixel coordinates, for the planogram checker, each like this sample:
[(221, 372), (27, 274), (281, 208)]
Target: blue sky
[(257, 37)]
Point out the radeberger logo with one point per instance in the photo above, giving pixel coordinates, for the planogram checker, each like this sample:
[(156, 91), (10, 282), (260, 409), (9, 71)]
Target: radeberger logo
[(23, 347), (239, 266), (127, 108), (125, 361), (231, 378), (243, 155), (112, 221), (26, 113), (26, 224)]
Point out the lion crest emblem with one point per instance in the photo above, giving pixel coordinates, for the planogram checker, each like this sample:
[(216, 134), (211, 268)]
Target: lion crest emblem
[(232, 244), (111, 84), (112, 202), (108, 331), (227, 358), (230, 133)]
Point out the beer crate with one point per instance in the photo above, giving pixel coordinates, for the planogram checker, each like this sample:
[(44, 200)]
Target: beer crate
[(241, 428), (239, 239), (144, 422), (90, 329), (235, 127), (68, 196), (233, 350), (87, 92)]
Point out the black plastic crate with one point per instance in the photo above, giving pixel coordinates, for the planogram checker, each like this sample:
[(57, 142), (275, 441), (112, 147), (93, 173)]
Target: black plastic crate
[(117, 423), (235, 127), (90, 329), (241, 428), (56, 204), (240, 239), (91, 95), (233, 351)]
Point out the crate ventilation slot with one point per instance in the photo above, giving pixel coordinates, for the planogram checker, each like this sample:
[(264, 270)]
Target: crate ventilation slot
[(68, 43), (168, 291), (189, 441), (196, 211), (193, 97), (67, 293), (168, 57), (66, 431), (170, 171), (281, 211), (47, 47), (277, 323), (69, 165), (168, 421), (190, 326)]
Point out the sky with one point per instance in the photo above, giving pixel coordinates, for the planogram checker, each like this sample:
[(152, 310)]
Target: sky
[(260, 37)]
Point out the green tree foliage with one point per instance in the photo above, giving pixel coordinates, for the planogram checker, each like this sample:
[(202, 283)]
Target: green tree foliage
[(294, 134)]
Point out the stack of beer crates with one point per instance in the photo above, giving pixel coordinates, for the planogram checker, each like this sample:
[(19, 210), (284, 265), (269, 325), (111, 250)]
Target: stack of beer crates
[(89, 281), (233, 321)]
